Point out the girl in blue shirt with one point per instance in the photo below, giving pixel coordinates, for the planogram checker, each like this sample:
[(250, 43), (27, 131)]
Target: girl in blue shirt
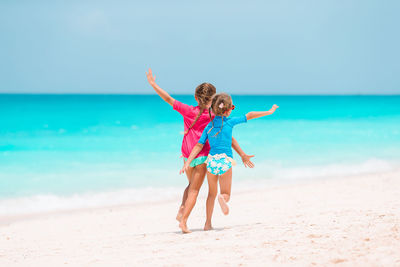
[(219, 162)]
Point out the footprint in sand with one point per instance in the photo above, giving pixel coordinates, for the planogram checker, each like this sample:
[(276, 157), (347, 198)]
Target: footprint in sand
[(314, 236), (336, 261)]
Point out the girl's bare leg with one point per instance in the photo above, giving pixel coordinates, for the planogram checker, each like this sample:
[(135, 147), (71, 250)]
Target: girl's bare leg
[(225, 185), (185, 194), (212, 193), (198, 175)]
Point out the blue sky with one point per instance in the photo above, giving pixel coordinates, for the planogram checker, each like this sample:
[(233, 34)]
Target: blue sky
[(262, 47)]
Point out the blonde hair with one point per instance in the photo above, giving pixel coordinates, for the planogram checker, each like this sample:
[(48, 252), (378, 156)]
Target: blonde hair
[(203, 93), (220, 104)]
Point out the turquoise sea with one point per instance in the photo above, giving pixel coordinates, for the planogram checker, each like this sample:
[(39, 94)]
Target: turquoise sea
[(71, 151)]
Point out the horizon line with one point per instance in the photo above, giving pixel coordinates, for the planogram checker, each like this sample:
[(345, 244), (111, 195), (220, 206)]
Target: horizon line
[(239, 94)]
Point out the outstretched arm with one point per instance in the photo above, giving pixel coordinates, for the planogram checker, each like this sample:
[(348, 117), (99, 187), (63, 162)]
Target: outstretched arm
[(195, 151), (245, 158), (163, 94), (259, 114)]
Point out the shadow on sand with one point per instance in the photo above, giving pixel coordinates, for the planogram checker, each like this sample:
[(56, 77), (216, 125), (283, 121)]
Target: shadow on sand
[(217, 229)]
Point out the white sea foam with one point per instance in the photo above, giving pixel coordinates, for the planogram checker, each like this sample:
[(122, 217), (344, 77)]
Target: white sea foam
[(277, 171), (50, 202), (343, 169), (244, 179)]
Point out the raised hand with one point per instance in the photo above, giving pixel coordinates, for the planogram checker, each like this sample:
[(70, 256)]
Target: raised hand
[(247, 162), (258, 114), (150, 77), (274, 108), (162, 93)]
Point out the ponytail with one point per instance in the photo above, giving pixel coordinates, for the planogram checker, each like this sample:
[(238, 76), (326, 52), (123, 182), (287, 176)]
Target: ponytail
[(195, 120), (203, 94), (222, 125), (220, 103), (212, 121)]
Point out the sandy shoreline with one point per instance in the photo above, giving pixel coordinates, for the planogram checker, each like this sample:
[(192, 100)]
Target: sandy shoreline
[(349, 221)]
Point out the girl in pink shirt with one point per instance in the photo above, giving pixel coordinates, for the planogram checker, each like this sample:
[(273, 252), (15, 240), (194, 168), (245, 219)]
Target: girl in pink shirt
[(195, 119)]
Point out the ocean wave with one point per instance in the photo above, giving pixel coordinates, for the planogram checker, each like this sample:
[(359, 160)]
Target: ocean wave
[(50, 202), (334, 169), (264, 174)]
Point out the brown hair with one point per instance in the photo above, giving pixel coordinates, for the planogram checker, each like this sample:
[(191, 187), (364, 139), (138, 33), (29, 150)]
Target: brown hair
[(204, 92), (220, 104)]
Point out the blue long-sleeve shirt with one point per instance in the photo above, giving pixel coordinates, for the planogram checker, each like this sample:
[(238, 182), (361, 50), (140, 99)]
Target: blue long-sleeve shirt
[(222, 143)]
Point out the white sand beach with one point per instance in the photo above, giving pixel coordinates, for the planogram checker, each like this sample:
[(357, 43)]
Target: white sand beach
[(345, 221)]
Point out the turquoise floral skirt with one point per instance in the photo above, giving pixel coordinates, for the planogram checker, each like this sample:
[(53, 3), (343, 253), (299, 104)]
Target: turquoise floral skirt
[(219, 164)]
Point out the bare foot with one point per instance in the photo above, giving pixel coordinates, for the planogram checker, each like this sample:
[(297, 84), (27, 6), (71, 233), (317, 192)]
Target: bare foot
[(180, 214), (184, 227), (208, 227), (224, 206)]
